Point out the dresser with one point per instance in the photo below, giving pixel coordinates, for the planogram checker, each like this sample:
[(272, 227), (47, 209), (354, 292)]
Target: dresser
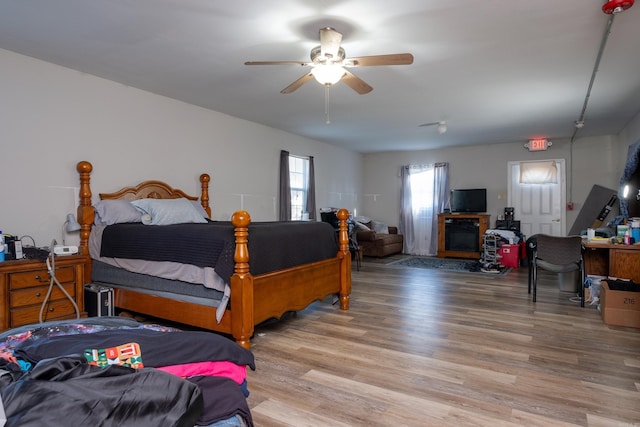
[(24, 285)]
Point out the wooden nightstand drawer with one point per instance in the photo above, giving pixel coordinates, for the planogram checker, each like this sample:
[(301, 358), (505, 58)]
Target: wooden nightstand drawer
[(35, 295), (53, 310), (24, 285), (41, 277)]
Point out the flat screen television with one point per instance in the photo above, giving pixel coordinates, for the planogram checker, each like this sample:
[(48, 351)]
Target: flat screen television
[(471, 200)]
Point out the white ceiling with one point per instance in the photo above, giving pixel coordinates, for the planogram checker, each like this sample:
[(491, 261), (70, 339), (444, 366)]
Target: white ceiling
[(494, 70)]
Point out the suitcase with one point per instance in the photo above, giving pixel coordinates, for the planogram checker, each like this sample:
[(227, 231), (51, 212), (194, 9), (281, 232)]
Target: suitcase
[(98, 300)]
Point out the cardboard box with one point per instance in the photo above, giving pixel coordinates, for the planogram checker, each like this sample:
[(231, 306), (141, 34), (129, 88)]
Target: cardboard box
[(509, 255), (619, 308)]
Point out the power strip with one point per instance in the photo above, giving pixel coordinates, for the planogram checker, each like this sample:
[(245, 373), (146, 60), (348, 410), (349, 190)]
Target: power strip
[(65, 250)]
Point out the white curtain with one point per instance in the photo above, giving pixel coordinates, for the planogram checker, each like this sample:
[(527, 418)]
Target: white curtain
[(545, 172), (424, 194)]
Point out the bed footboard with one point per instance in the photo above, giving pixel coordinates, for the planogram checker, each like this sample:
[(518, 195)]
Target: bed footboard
[(255, 299)]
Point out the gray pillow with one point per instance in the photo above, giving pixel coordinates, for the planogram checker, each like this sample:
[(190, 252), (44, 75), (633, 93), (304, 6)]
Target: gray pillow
[(380, 227), (196, 204), (168, 211), (110, 212)]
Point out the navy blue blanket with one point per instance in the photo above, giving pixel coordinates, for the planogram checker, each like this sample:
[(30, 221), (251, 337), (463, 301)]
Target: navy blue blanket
[(272, 245)]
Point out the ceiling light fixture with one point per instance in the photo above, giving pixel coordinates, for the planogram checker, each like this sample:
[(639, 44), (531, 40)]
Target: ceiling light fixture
[(328, 74), (579, 124)]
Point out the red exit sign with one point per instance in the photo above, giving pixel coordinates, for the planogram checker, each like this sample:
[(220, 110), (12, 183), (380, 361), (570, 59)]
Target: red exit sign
[(538, 144)]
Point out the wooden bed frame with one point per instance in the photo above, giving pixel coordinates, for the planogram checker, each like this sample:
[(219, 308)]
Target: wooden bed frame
[(254, 299)]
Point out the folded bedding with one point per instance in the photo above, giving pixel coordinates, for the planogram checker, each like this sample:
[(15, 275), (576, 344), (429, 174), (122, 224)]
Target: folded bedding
[(158, 348), (200, 377), (66, 391)]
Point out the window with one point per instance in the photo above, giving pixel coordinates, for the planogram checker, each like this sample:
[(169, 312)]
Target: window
[(296, 190), (299, 185), (421, 184), (545, 172)]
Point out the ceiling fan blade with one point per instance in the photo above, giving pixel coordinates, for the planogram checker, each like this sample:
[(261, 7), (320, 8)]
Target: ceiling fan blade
[(295, 85), (392, 59), (330, 41), (356, 83), (277, 63), (429, 124)]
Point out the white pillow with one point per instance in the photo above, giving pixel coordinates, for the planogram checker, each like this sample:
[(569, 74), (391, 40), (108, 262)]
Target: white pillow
[(168, 211), (380, 227), (362, 219), (361, 226), (108, 212)]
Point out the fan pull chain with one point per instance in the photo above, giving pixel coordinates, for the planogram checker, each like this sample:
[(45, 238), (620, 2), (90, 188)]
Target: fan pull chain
[(326, 103)]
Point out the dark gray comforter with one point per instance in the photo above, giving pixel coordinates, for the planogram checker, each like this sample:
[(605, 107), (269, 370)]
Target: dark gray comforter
[(272, 245)]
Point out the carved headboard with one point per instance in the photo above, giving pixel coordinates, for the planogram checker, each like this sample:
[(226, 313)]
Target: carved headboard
[(146, 189)]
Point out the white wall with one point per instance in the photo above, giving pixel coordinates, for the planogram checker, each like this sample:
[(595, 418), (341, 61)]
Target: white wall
[(52, 117), (595, 161)]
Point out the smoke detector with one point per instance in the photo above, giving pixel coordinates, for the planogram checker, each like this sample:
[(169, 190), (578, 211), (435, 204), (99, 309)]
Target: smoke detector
[(616, 6)]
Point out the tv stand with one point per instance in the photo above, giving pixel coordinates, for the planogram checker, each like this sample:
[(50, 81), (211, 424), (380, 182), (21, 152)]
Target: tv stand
[(460, 235)]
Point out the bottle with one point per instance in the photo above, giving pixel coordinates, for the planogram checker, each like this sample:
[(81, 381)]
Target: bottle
[(1, 246), (635, 230)]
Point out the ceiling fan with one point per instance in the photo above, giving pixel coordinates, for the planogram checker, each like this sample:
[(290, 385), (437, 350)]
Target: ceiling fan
[(328, 64), (441, 126)]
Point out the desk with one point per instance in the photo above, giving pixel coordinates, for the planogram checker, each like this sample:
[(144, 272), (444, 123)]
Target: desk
[(606, 259)]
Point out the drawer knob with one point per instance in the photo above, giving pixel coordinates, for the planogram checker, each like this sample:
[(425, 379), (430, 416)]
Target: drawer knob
[(41, 279), (51, 310), (38, 294)]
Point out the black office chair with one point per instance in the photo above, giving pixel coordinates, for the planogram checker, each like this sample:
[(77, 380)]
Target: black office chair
[(354, 248), (555, 254)]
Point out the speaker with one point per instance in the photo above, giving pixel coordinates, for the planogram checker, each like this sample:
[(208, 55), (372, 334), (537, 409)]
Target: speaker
[(508, 214)]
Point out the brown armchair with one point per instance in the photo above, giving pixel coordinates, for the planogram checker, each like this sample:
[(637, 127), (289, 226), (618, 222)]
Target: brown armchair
[(378, 244)]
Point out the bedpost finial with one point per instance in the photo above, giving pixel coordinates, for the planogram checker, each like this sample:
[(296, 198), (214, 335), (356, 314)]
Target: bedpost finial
[(84, 167), (241, 219), (342, 214), (205, 177)]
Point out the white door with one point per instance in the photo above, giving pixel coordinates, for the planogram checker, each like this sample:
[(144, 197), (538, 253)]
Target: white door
[(539, 207)]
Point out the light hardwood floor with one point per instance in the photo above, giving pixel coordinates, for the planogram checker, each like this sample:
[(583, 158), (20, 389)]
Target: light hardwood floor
[(431, 348)]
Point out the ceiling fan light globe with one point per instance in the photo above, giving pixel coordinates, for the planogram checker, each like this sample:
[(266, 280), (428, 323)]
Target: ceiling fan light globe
[(442, 127), (328, 74)]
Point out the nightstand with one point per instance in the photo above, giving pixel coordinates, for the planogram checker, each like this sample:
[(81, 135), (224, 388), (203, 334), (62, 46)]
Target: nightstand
[(24, 285)]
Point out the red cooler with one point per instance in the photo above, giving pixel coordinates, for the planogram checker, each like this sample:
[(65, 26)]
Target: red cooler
[(509, 255)]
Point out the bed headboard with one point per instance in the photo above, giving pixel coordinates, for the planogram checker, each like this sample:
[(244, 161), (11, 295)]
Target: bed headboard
[(146, 189)]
